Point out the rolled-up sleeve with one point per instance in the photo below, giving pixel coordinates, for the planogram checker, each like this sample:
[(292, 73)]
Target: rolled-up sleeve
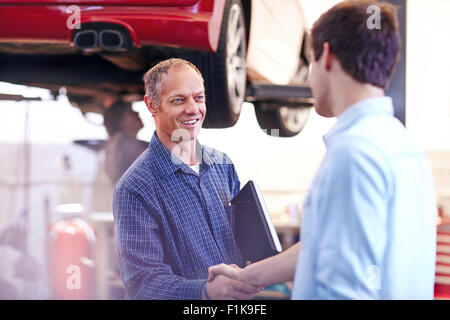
[(141, 253)]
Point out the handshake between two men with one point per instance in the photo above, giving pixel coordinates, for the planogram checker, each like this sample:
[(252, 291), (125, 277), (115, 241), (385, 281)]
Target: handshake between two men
[(352, 231), (232, 282)]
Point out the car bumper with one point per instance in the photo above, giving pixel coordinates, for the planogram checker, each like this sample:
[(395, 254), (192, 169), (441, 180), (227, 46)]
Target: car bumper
[(196, 27)]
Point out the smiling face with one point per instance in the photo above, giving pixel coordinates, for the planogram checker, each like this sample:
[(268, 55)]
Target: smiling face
[(182, 104)]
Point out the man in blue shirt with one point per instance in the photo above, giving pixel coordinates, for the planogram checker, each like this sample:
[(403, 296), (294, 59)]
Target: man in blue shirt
[(369, 219), (171, 206)]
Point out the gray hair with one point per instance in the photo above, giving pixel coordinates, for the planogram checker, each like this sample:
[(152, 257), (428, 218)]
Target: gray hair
[(152, 78)]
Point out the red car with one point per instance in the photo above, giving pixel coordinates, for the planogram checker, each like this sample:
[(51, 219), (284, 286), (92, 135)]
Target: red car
[(98, 49)]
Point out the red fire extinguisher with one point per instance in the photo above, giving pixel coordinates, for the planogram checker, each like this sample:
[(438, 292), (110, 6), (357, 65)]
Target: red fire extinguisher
[(71, 254)]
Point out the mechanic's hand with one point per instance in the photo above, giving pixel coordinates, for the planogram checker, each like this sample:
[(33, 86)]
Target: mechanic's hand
[(223, 288)]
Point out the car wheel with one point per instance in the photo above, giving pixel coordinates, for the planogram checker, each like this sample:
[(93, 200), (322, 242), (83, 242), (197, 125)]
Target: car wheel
[(225, 71), (287, 119)]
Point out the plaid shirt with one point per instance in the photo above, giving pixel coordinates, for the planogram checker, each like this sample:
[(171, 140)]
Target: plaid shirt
[(173, 224)]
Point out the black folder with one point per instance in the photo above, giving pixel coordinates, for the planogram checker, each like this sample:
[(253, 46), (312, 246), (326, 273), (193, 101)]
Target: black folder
[(253, 229)]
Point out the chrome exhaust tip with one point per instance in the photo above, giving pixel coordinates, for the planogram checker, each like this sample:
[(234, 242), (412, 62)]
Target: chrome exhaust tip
[(112, 40), (86, 39)]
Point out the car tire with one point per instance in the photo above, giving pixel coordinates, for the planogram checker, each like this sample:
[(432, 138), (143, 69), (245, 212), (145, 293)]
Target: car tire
[(287, 121), (225, 70)]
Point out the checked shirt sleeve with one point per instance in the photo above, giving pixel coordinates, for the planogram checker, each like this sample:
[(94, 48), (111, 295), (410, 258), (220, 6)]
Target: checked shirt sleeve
[(140, 249)]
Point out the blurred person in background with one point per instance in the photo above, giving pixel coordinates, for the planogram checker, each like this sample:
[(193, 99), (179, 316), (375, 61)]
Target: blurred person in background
[(369, 219), (123, 148)]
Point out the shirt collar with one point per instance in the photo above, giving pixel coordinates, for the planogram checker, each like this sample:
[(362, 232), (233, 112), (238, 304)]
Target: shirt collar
[(167, 163), (360, 109)]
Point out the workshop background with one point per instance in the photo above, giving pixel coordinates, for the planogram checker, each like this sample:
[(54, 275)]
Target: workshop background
[(65, 179)]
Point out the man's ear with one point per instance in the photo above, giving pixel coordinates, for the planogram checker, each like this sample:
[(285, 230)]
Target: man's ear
[(150, 105), (327, 55)]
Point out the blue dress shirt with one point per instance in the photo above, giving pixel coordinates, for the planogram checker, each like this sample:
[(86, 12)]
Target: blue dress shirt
[(369, 219), (172, 223)]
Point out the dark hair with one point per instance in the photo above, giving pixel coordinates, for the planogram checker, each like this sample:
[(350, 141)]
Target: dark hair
[(369, 55), (152, 78), (113, 115)]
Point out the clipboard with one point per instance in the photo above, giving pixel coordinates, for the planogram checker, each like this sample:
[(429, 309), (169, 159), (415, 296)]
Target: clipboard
[(253, 229)]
